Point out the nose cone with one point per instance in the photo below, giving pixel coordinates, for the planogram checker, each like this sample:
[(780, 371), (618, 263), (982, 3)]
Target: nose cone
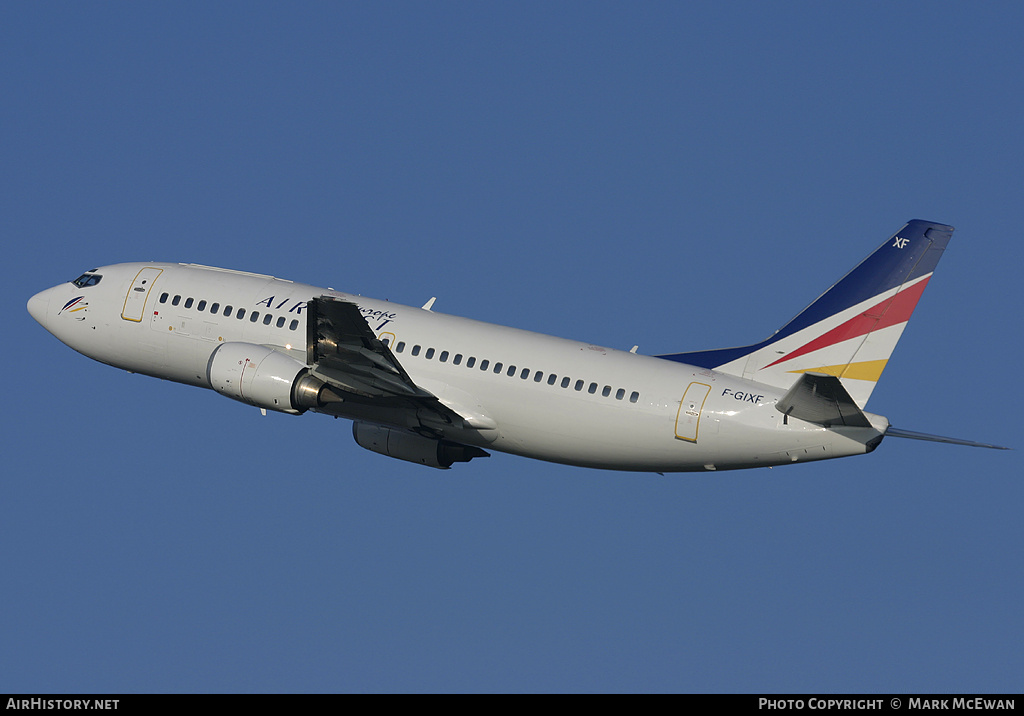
[(39, 305)]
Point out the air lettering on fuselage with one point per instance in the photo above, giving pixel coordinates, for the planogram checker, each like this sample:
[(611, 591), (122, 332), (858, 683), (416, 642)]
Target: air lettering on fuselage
[(297, 305)]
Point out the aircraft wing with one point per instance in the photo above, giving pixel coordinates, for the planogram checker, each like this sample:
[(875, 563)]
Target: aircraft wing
[(344, 352)]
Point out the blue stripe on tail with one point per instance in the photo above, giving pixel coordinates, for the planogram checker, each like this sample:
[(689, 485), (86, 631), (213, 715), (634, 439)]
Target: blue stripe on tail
[(910, 253)]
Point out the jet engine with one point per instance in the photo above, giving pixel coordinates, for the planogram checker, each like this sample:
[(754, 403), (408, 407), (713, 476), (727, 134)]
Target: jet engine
[(263, 377), (412, 447)]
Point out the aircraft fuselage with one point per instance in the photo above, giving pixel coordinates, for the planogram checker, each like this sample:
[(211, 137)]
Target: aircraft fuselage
[(524, 393)]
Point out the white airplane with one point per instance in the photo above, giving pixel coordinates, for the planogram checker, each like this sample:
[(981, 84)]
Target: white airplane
[(436, 389)]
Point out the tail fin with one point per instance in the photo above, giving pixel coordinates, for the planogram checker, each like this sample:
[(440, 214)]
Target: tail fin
[(850, 330)]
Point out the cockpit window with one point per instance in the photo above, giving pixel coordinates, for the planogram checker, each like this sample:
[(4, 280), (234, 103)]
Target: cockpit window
[(87, 279)]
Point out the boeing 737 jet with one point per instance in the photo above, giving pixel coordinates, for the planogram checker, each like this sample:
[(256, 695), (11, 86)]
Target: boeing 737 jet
[(436, 389)]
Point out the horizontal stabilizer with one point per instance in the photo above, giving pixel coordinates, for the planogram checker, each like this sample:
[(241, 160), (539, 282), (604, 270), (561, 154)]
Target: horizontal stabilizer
[(897, 433), (822, 399)]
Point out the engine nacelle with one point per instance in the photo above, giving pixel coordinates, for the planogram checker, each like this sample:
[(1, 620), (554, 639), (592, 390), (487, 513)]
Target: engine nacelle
[(412, 447), (263, 377)]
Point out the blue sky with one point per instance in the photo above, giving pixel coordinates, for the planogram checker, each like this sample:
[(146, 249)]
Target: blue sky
[(680, 176)]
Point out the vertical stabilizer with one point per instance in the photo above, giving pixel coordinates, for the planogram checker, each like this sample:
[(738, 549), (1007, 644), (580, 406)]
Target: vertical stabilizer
[(850, 330)]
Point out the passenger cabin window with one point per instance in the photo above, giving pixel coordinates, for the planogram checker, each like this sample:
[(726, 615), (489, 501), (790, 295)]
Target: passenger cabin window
[(254, 316), (241, 314), (415, 350), (471, 362), (634, 396), (267, 319), (443, 357), (176, 300), (293, 325), (227, 311), (457, 359), (163, 297), (400, 347), (430, 353), (189, 301), (565, 382), (214, 307), (87, 279), (484, 364), (201, 306), (280, 322)]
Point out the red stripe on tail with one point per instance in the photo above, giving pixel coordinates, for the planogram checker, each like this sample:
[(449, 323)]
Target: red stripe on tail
[(889, 312)]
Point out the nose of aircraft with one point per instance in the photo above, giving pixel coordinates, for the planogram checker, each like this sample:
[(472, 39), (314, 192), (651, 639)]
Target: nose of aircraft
[(39, 305)]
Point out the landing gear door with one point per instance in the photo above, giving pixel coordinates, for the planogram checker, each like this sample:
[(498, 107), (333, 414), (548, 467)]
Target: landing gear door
[(690, 407), (135, 301)]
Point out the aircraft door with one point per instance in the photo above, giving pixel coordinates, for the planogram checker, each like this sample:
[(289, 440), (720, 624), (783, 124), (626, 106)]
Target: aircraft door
[(690, 407), (135, 301)]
